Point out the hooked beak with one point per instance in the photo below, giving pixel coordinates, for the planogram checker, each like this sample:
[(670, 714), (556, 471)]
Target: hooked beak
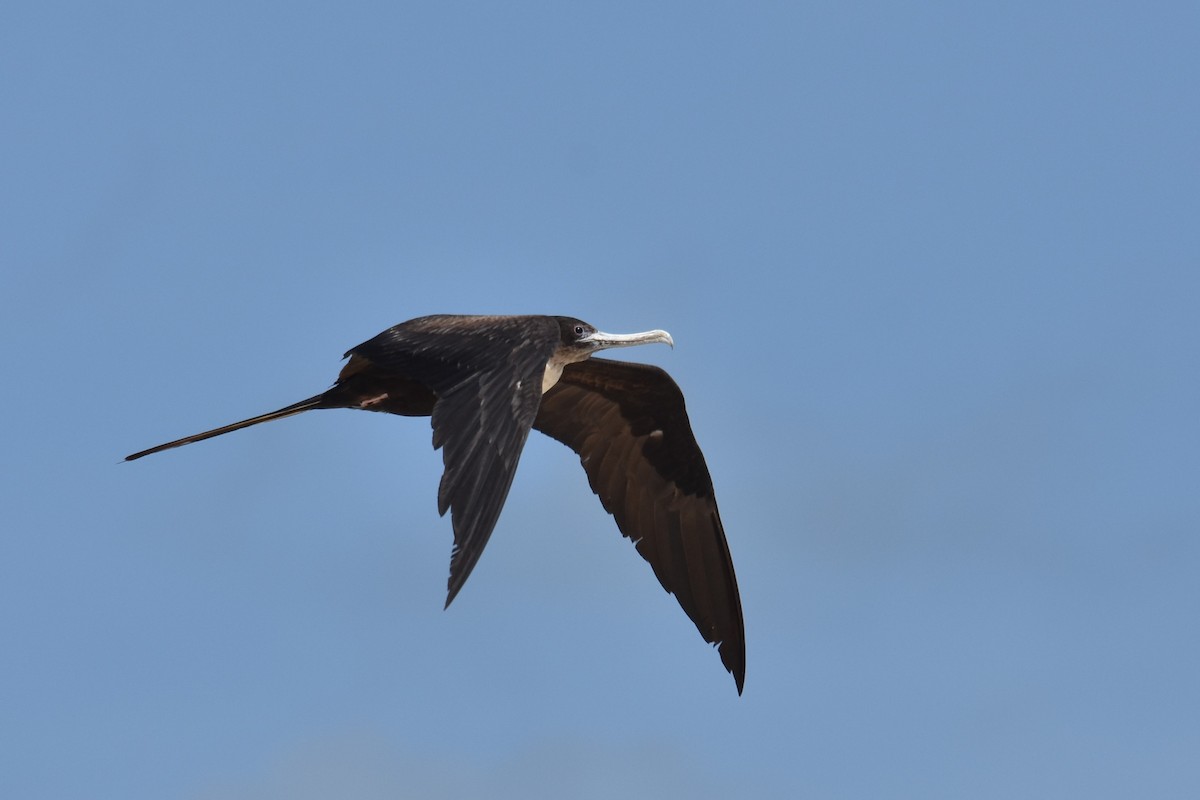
[(602, 341)]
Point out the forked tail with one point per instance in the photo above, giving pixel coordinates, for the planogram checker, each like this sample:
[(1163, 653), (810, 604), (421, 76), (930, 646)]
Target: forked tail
[(286, 411)]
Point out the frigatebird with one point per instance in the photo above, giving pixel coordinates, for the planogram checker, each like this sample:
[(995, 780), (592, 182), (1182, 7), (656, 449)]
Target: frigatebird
[(486, 380)]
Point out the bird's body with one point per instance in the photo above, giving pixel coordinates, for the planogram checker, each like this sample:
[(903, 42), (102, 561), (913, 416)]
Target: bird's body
[(485, 381)]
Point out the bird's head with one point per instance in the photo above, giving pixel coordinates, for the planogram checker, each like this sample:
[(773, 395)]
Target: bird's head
[(578, 340)]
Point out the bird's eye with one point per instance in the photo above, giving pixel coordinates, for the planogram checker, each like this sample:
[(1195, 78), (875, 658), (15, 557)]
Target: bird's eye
[(579, 330)]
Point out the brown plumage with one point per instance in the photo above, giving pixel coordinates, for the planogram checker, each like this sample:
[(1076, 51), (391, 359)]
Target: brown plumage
[(486, 381)]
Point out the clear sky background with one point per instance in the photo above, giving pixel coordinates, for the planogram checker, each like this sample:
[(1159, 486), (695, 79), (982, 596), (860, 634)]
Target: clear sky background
[(932, 272)]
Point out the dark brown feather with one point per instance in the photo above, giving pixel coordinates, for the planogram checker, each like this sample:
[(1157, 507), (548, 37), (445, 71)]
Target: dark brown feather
[(487, 380), (630, 428)]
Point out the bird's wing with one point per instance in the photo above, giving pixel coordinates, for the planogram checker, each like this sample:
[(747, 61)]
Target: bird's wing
[(488, 387), (629, 426)]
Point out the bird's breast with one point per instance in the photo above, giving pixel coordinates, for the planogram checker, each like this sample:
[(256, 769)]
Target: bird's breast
[(557, 362), (553, 372)]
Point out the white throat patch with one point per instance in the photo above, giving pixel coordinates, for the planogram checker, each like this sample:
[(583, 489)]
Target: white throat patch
[(555, 365)]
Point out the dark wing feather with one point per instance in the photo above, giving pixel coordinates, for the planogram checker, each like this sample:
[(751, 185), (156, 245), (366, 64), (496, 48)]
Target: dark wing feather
[(487, 375), (629, 426)]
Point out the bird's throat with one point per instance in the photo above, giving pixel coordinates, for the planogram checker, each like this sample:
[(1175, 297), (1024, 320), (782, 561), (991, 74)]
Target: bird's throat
[(556, 364)]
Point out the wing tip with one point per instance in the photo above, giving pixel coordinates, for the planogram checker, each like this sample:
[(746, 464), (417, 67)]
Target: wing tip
[(453, 587), (735, 664)]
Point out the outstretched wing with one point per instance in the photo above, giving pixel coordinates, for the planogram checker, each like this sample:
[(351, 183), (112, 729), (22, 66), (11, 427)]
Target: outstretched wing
[(629, 426), (488, 387)]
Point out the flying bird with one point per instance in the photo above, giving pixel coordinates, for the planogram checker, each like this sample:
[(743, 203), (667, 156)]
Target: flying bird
[(485, 381)]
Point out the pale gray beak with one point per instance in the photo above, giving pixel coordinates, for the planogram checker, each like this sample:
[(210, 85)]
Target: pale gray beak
[(602, 341)]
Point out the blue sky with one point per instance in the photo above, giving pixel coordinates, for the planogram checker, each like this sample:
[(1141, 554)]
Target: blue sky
[(932, 274)]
